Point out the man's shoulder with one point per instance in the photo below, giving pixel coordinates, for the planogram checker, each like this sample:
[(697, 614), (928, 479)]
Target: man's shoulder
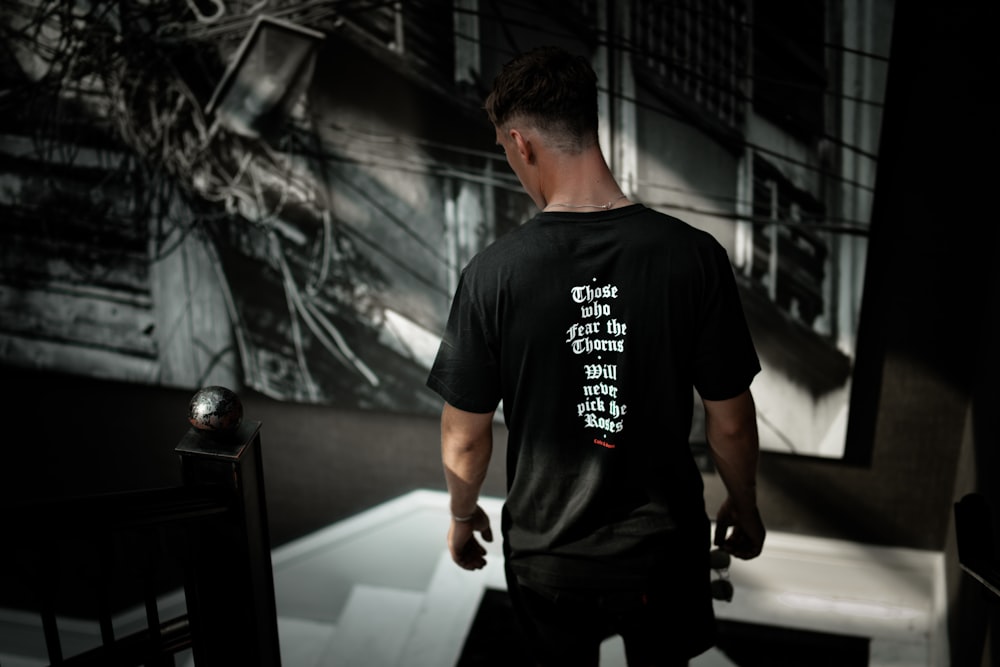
[(666, 222), (510, 244), (658, 230)]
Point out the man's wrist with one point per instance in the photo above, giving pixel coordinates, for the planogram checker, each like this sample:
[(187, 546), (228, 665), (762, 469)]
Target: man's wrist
[(465, 518)]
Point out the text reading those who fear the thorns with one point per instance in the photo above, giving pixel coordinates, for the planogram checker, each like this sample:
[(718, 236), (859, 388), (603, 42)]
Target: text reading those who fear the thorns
[(596, 332), (587, 336)]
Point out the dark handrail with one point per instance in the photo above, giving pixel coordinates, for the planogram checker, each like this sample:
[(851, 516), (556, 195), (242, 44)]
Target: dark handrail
[(79, 515), (217, 521), (230, 584), (172, 637)]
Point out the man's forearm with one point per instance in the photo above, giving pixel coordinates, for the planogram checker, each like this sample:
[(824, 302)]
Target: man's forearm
[(466, 448), (465, 473), (731, 430), (736, 463)]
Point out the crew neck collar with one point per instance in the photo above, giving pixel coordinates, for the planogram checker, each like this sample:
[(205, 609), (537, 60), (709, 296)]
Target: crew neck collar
[(583, 216)]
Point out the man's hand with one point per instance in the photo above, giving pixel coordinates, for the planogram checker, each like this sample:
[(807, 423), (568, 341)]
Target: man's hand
[(465, 549), (746, 540)]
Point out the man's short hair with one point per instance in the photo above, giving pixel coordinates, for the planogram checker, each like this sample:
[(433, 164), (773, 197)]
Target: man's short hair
[(551, 88)]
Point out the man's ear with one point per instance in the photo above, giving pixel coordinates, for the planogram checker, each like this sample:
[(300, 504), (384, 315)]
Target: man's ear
[(523, 145)]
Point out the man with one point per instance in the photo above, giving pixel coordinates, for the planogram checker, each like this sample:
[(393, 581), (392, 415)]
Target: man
[(592, 322)]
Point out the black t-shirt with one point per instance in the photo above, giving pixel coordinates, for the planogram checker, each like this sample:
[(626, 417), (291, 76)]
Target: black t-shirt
[(592, 329)]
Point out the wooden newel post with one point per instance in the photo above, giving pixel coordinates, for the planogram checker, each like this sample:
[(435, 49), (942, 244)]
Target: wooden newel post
[(230, 590)]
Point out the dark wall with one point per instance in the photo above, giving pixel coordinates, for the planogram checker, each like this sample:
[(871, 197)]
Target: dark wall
[(321, 464)]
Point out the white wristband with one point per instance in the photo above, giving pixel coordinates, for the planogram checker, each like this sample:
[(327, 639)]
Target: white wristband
[(464, 519)]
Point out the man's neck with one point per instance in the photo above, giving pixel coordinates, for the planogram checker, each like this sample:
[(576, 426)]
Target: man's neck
[(580, 183)]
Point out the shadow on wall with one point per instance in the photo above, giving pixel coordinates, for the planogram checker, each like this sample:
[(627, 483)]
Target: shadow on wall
[(321, 464)]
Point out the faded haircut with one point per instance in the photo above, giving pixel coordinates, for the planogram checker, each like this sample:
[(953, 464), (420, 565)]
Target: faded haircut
[(552, 89)]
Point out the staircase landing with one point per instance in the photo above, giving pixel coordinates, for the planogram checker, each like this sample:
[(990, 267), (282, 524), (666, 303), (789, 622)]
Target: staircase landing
[(379, 590)]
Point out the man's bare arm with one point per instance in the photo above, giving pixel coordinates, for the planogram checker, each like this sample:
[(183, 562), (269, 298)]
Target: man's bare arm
[(466, 448), (731, 429)]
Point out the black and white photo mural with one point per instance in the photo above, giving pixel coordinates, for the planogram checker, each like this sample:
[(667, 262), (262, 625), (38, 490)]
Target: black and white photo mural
[(279, 195)]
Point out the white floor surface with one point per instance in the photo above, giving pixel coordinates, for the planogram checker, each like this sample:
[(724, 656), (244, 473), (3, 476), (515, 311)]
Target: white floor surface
[(379, 590)]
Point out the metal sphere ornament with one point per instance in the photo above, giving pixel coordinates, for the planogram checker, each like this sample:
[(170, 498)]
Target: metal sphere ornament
[(215, 410)]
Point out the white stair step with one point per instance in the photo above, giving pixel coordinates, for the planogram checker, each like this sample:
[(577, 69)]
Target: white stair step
[(303, 642), (713, 657), (373, 628), (449, 609)]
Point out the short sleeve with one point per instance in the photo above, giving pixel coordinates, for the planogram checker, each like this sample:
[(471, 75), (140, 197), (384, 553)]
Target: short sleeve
[(725, 358), (465, 372)]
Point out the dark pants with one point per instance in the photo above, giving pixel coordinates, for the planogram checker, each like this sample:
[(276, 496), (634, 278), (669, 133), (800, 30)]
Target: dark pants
[(664, 624)]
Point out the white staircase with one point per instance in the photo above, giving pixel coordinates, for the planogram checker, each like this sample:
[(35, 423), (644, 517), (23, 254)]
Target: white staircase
[(380, 590)]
